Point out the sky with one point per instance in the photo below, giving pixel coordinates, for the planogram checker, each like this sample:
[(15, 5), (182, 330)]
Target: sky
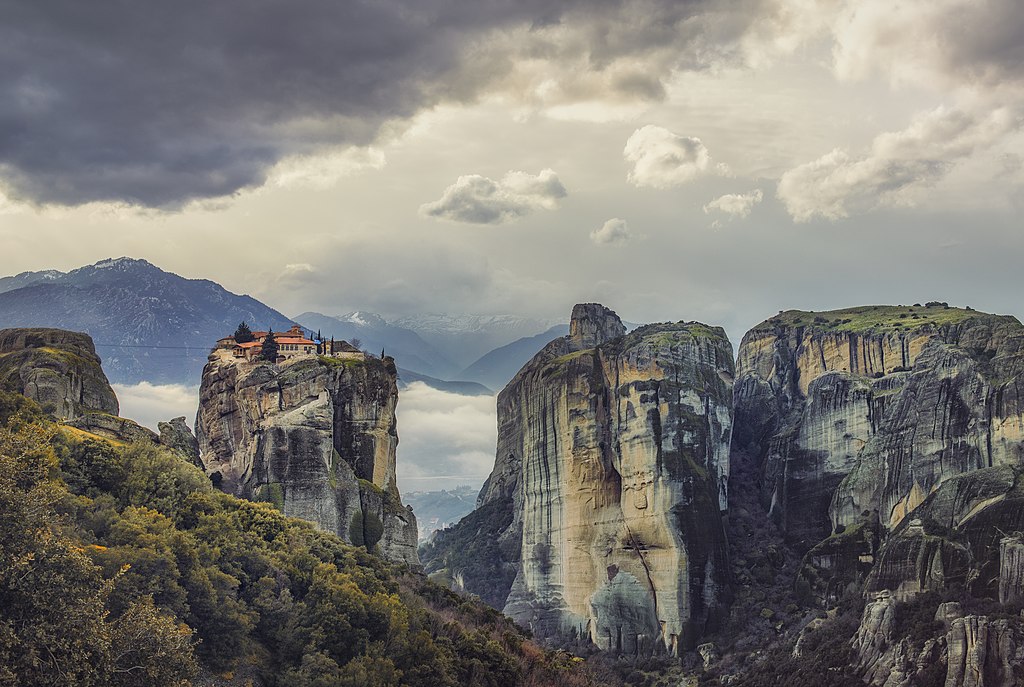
[(712, 160)]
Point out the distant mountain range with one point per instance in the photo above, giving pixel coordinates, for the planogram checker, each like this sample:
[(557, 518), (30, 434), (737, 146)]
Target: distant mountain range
[(147, 324), (495, 368), (464, 338), (153, 325), (375, 333)]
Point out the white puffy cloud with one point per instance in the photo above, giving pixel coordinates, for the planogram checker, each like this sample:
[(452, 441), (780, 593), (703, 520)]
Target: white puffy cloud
[(662, 159), (614, 231), (899, 166), (446, 439), (476, 199), (149, 404), (735, 204)]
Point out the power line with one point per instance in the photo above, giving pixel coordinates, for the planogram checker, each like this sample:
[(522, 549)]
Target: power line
[(175, 348)]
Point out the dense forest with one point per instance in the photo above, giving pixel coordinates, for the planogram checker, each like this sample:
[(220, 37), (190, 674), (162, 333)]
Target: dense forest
[(120, 565)]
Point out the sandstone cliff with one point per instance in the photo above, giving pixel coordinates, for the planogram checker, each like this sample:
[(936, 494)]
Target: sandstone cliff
[(890, 442), (610, 476), (316, 436), (57, 369), (868, 410)]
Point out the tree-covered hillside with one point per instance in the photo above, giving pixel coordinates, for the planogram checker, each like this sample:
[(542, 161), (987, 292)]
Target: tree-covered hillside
[(120, 565)]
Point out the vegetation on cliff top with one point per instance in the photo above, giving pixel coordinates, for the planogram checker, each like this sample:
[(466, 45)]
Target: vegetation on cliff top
[(123, 566), (874, 318)]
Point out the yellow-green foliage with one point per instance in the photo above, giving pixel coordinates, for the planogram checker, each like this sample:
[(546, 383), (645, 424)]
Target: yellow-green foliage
[(115, 557), (563, 359), (347, 363), (878, 318)]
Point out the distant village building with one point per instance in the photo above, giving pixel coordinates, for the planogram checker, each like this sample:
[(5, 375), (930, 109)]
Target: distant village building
[(290, 344)]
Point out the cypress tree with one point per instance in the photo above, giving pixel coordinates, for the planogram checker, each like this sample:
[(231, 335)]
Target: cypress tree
[(269, 349)]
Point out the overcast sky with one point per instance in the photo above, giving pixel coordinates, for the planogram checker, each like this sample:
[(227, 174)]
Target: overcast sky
[(714, 159)]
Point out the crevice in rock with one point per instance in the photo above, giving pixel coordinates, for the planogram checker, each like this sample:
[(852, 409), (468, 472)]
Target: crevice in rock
[(643, 562)]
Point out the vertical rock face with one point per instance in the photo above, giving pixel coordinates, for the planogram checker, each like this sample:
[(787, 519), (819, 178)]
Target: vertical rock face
[(868, 410), (57, 369), (613, 457), (984, 652), (315, 436), (1011, 570)]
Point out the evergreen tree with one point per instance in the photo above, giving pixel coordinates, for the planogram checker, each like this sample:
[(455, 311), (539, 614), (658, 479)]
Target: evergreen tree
[(243, 334), (269, 350)]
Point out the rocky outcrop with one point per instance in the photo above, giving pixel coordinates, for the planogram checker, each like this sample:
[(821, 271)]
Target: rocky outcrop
[(954, 537), (865, 411), (984, 652), (1011, 570), (613, 457), (57, 369), (114, 427), (177, 436), (969, 651), (315, 436)]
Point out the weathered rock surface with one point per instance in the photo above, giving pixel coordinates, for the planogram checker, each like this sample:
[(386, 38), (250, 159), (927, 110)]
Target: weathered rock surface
[(972, 650), (114, 427), (176, 435), (867, 410), (984, 652), (953, 542), (57, 369), (613, 461), (1011, 569), (316, 437)]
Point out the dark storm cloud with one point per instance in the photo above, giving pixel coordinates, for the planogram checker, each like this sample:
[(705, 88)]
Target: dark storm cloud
[(160, 103)]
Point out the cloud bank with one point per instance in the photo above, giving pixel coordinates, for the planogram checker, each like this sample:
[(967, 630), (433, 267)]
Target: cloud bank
[(159, 104), (446, 439), (475, 199), (149, 404), (899, 165)]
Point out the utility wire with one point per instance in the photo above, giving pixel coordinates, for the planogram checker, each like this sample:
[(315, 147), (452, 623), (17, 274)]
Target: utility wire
[(176, 348)]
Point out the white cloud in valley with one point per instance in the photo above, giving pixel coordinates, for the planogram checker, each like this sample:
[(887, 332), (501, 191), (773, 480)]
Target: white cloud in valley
[(475, 199), (445, 439), (150, 404)]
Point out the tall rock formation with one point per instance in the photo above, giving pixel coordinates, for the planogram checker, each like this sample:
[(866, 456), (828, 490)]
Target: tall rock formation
[(602, 515), (314, 435), (57, 369), (867, 410), (890, 442)]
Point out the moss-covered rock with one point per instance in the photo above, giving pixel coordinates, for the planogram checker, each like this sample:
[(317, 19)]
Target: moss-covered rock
[(57, 369)]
